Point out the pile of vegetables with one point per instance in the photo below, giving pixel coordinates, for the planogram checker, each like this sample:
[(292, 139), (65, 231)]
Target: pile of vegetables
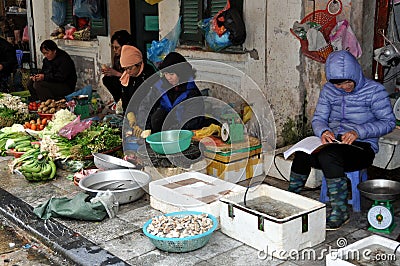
[(5, 136), (51, 106), (97, 138), (13, 110), (61, 118), (13, 102)]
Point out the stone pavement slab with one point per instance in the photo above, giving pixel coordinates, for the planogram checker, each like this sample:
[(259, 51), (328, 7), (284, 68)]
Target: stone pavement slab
[(120, 241)]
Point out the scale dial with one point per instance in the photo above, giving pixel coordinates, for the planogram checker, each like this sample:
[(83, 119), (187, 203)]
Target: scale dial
[(380, 217)]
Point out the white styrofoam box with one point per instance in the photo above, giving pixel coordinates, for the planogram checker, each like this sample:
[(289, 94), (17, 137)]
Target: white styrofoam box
[(236, 171), (298, 231), (313, 181), (388, 155), (360, 249), (190, 191)]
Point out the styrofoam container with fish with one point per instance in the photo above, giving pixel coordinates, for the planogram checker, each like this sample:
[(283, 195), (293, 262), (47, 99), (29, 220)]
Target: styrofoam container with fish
[(274, 221), (190, 191)]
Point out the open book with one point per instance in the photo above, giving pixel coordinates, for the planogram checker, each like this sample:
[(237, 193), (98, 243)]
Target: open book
[(310, 145)]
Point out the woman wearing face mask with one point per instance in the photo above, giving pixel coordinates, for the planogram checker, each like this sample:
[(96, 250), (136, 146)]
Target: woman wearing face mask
[(174, 101), (57, 77), (136, 71), (113, 74)]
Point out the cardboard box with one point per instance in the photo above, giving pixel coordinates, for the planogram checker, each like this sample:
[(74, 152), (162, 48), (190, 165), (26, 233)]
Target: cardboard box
[(236, 171), (264, 232)]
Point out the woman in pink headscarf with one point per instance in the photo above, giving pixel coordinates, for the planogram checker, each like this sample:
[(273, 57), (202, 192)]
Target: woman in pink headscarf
[(136, 71)]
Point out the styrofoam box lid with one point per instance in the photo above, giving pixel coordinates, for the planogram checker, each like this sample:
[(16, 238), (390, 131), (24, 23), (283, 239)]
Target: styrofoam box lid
[(192, 189), (336, 258), (304, 203)]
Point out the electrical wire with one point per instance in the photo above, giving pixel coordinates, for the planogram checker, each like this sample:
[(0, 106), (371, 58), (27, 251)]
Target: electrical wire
[(304, 189), (395, 250), (391, 157), (281, 153), (247, 189)]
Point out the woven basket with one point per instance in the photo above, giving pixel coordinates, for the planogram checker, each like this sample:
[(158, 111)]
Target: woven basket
[(184, 244), (327, 20)]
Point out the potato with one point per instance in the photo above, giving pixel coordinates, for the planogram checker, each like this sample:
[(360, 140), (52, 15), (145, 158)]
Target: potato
[(47, 102), (52, 110)]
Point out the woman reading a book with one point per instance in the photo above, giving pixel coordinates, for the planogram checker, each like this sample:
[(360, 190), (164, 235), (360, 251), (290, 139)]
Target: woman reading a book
[(351, 109)]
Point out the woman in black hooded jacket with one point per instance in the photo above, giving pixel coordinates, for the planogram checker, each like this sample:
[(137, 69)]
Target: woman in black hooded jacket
[(174, 101)]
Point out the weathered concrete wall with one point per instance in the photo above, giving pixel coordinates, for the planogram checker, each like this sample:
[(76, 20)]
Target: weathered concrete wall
[(91, 54), (289, 81), (283, 80)]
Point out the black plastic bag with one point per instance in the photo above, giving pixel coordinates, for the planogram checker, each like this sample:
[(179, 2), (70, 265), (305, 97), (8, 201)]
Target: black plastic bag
[(232, 20)]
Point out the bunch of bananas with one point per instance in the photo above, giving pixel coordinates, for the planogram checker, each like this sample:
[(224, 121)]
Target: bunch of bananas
[(35, 166)]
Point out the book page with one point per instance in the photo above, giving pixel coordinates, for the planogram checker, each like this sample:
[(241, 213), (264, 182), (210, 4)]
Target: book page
[(307, 145), (312, 144)]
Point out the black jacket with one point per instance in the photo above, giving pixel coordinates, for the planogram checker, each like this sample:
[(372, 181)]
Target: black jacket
[(8, 57), (61, 69)]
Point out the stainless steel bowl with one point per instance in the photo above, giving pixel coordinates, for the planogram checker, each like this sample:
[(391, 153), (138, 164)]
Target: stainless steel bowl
[(126, 184), (380, 189), (108, 162)]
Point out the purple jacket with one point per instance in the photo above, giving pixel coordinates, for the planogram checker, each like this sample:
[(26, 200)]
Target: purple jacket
[(366, 110)]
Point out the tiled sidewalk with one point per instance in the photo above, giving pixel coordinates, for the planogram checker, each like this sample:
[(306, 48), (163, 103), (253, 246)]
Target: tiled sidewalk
[(120, 240)]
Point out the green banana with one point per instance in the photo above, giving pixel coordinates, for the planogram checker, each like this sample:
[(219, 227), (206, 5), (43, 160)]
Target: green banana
[(53, 169), (46, 170)]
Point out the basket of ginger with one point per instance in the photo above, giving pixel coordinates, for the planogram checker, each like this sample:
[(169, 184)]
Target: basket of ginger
[(36, 125)]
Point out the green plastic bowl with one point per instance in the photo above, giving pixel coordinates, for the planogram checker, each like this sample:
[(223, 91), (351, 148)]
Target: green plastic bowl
[(170, 141)]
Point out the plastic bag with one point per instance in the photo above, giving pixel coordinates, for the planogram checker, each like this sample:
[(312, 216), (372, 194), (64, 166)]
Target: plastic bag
[(218, 21), (87, 90), (25, 35), (159, 49), (87, 8), (213, 40), (343, 38), (79, 207), (59, 12), (73, 128)]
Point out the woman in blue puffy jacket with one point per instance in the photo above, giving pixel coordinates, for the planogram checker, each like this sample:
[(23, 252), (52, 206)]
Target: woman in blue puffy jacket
[(354, 110)]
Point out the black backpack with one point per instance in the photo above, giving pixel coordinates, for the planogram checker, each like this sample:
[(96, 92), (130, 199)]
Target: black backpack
[(232, 20)]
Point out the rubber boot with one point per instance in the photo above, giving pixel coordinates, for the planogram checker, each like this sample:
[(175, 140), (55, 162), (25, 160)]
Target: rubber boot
[(337, 192), (296, 182)]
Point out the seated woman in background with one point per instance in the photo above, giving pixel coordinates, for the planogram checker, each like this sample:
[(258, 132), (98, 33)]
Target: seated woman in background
[(58, 75), (113, 74), (174, 102)]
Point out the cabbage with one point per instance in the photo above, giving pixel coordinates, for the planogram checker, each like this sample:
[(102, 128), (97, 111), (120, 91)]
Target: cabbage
[(13, 128)]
